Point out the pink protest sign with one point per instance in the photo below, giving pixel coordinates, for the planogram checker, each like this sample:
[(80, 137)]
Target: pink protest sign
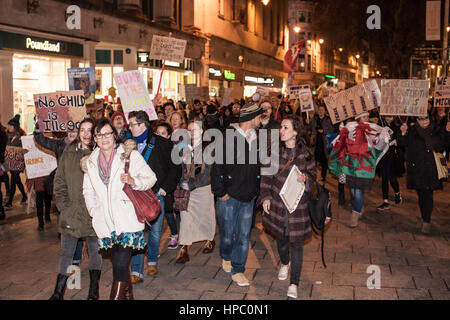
[(133, 93)]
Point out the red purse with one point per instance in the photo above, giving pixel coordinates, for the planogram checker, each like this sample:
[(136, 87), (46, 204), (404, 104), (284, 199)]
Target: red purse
[(146, 204)]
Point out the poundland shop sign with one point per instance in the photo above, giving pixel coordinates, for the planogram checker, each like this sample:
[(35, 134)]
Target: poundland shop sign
[(28, 43)]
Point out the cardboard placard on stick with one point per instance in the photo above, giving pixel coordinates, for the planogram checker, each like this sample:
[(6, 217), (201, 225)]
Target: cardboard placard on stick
[(353, 101), (37, 162), (403, 97), (14, 158), (442, 92), (60, 111), (167, 48), (306, 99), (133, 93)]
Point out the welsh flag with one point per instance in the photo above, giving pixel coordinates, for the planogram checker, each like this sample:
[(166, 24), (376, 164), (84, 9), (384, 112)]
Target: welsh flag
[(357, 149), (291, 56)]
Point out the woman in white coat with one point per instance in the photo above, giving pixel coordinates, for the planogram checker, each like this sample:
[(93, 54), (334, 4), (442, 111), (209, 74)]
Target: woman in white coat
[(113, 217)]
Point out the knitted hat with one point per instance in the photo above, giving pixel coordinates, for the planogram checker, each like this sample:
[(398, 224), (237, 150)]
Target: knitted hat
[(361, 115), (211, 109), (250, 111), (14, 122), (118, 114)]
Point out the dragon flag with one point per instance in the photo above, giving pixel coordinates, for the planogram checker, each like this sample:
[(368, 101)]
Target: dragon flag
[(357, 149)]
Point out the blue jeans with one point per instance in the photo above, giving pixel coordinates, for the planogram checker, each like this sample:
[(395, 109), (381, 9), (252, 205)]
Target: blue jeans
[(78, 252), (358, 199), (172, 222), (235, 218), (154, 236)]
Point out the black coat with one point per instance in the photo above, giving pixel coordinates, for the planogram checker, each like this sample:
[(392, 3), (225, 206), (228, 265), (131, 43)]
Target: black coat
[(421, 172), (3, 142)]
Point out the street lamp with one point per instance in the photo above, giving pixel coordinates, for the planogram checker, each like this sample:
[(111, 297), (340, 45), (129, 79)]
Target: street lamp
[(340, 49), (433, 66), (357, 56), (297, 29), (448, 29), (265, 2), (321, 41)]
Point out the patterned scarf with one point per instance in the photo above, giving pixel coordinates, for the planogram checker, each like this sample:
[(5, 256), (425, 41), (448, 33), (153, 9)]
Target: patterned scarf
[(104, 167)]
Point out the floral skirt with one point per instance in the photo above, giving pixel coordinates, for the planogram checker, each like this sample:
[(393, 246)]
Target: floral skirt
[(135, 240)]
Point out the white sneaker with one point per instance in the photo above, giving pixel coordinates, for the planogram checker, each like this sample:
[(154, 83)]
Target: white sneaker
[(283, 273), (292, 291), (240, 280)]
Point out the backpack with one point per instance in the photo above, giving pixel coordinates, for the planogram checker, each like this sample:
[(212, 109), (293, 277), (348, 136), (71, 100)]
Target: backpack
[(319, 207)]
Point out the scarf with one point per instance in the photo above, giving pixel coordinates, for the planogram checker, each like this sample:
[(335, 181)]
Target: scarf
[(425, 133), (141, 138), (104, 167)]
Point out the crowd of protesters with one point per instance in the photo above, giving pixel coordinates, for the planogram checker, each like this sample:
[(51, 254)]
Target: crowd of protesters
[(87, 186)]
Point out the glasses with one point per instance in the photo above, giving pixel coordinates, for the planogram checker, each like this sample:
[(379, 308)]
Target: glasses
[(422, 118), (135, 124), (104, 135)]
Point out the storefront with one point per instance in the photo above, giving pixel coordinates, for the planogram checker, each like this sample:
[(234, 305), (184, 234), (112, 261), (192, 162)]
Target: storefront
[(174, 75), (274, 85), (221, 77), (38, 65)]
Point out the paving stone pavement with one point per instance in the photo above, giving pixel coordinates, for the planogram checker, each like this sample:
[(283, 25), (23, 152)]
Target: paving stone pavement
[(412, 265)]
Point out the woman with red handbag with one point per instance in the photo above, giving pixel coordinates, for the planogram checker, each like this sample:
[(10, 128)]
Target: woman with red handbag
[(113, 214)]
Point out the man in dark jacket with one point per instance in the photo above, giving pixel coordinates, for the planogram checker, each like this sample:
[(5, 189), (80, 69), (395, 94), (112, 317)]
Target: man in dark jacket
[(156, 151), (236, 185)]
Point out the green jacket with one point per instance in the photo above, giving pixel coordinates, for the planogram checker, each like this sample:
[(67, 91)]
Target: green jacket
[(74, 220)]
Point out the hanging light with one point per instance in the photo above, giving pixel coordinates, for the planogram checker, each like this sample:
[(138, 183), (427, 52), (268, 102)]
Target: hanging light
[(321, 41), (265, 2), (357, 56), (297, 29)]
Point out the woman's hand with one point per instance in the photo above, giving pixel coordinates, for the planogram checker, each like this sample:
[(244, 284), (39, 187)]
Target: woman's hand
[(448, 126), (266, 206), (302, 178), (126, 178), (404, 128)]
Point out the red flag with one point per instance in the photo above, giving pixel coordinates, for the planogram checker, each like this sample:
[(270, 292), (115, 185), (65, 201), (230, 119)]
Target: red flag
[(291, 56)]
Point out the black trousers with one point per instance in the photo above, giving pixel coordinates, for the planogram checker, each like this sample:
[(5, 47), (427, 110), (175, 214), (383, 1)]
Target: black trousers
[(425, 204), (43, 198), (5, 178), (385, 186), (121, 258), (296, 257), (15, 181)]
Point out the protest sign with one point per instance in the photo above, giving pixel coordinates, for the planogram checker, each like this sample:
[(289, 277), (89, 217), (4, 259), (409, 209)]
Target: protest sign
[(305, 98), (165, 48), (83, 79), (351, 102), (404, 97), (14, 158), (203, 93), (442, 92), (230, 94), (133, 93), (191, 92), (60, 111), (294, 91), (263, 91), (37, 162)]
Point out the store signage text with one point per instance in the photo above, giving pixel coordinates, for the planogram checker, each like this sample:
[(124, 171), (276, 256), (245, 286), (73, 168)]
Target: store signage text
[(217, 73), (259, 80), (227, 74), (45, 46), (74, 17)]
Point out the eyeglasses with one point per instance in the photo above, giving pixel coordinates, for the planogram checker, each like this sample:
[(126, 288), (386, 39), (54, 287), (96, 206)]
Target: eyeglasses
[(104, 135), (422, 118), (134, 124)]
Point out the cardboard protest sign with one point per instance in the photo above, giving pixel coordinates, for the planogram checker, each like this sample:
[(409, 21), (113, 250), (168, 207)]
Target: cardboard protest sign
[(442, 92), (404, 97), (191, 92), (83, 79), (60, 111), (230, 94), (14, 158), (351, 102), (306, 99), (294, 91), (165, 48), (133, 93), (37, 162)]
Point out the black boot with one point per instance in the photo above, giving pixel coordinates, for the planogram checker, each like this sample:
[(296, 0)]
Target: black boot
[(2, 213), (60, 287), (93, 286)]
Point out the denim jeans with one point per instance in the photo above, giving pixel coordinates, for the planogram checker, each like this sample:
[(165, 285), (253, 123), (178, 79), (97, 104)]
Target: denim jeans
[(77, 257), (154, 237), (358, 199), (172, 222), (235, 218)]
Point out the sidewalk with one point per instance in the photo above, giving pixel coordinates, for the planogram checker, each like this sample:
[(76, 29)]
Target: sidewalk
[(413, 266)]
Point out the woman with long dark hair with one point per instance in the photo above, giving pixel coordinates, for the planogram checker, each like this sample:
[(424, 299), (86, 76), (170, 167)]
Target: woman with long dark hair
[(290, 230)]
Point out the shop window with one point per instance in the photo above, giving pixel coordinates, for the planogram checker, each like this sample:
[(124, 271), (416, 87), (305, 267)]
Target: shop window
[(301, 16), (147, 9), (103, 56), (118, 57)]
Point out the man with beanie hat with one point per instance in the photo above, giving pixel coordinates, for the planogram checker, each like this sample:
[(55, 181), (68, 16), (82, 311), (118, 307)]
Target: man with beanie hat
[(236, 185), (213, 119)]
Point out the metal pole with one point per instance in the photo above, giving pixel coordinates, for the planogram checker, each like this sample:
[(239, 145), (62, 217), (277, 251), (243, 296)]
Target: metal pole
[(445, 35)]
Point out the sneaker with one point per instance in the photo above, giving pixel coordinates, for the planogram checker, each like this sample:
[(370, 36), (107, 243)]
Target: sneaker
[(398, 198), (292, 291), (226, 266), (173, 243), (284, 270), (354, 219), (383, 207), (240, 280)]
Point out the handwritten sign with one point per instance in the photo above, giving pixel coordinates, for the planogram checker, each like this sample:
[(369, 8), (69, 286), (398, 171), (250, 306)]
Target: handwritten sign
[(263, 91), (351, 102), (294, 91), (37, 162), (165, 48), (306, 99), (442, 92), (133, 93), (14, 158), (60, 111), (191, 92), (404, 97)]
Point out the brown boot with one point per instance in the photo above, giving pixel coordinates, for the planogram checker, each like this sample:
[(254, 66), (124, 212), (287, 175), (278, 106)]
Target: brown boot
[(118, 290), (209, 246), (183, 255)]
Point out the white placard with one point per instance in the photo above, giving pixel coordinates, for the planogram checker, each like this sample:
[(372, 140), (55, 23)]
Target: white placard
[(442, 92), (167, 48), (292, 190), (404, 97), (37, 162)]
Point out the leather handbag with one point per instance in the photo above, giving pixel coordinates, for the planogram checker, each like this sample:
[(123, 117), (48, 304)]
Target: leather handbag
[(181, 199), (441, 165), (146, 204)]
